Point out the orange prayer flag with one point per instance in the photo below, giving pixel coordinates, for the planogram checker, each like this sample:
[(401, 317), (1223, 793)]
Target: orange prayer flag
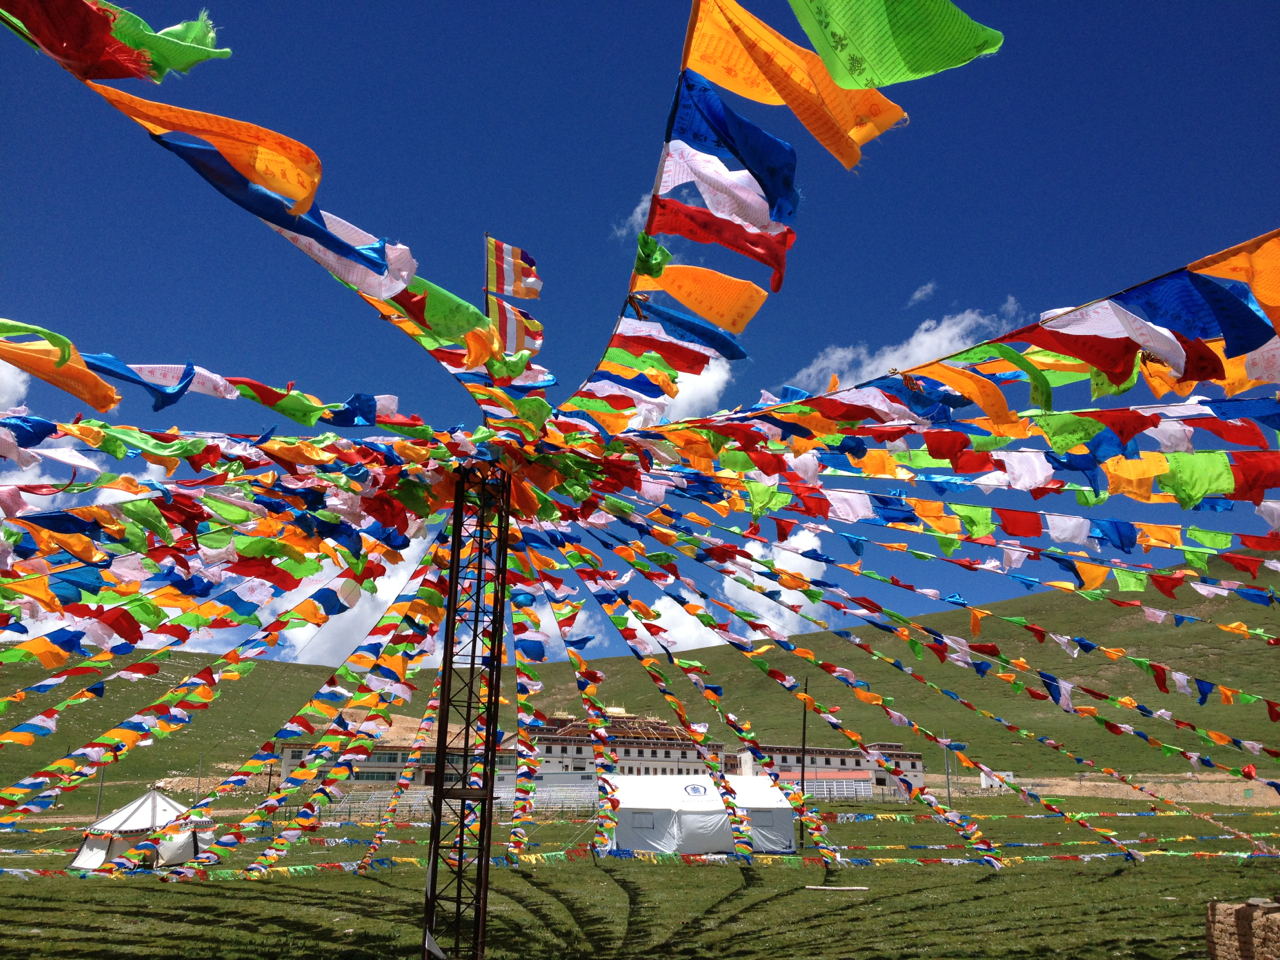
[(1092, 574), (37, 588), (263, 156), (975, 620), (978, 389), (726, 301), (1257, 263), (40, 359), (735, 50)]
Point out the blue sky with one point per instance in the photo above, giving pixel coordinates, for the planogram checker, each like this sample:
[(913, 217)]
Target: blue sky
[(1104, 144)]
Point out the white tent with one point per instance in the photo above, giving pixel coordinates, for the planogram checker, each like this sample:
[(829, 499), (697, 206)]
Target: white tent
[(119, 830), (684, 814)]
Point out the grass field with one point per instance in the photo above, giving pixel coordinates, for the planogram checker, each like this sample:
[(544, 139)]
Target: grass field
[(617, 909)]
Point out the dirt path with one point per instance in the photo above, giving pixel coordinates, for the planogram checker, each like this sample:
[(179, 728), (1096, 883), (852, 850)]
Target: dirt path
[(1218, 789)]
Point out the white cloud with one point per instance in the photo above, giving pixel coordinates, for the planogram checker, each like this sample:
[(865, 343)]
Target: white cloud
[(700, 394), (1010, 308), (684, 632), (923, 293), (635, 221), (931, 340), (13, 385)]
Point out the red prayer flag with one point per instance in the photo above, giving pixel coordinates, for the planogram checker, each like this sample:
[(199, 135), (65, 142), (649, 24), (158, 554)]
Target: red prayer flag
[(1020, 523), (702, 226)]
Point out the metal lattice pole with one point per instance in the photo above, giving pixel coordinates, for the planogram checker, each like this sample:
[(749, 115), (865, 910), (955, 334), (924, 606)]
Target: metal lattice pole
[(467, 724)]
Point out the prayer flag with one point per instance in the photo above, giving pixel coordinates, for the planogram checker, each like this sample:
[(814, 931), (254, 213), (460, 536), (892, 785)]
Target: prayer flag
[(516, 329), (873, 43), (726, 301), (511, 271), (264, 157), (737, 51)]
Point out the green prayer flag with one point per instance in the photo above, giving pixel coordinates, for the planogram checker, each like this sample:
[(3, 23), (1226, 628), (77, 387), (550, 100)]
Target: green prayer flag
[(1196, 559), (295, 405), (1215, 539), (947, 545), (1194, 476), (918, 457), (977, 520), (148, 514), (1041, 391), (1101, 386), (179, 47), (1130, 581), (765, 499), (873, 43), (1066, 430), (651, 256), (736, 460), (987, 444), (1087, 498)]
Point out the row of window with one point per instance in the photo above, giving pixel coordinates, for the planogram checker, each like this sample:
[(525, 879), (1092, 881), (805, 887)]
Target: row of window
[(826, 762), (626, 752), (504, 760)]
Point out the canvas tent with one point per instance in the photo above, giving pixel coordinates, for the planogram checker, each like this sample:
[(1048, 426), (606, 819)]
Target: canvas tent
[(119, 830), (684, 814)]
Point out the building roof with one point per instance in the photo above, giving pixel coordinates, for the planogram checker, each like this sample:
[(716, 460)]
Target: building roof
[(818, 751), (404, 730), (627, 727)]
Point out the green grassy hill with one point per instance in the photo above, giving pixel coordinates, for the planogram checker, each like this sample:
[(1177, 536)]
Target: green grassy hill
[(250, 710)]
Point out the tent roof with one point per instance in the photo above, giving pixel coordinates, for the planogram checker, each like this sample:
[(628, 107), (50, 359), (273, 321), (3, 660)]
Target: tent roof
[(149, 812), (694, 792)]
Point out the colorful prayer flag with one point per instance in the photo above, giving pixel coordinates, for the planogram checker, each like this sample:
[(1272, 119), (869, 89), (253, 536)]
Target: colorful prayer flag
[(511, 272), (516, 329)]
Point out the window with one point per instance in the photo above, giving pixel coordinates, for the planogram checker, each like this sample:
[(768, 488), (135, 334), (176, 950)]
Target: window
[(653, 753), (913, 764), (375, 775), (842, 762), (641, 820), (626, 752), (384, 757), (827, 761), (564, 749), (857, 762), (295, 754), (578, 751), (762, 818), (646, 771), (666, 754), (813, 761), (664, 771), (684, 754)]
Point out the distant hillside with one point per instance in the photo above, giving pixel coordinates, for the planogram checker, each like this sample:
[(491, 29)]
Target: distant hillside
[(252, 709)]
